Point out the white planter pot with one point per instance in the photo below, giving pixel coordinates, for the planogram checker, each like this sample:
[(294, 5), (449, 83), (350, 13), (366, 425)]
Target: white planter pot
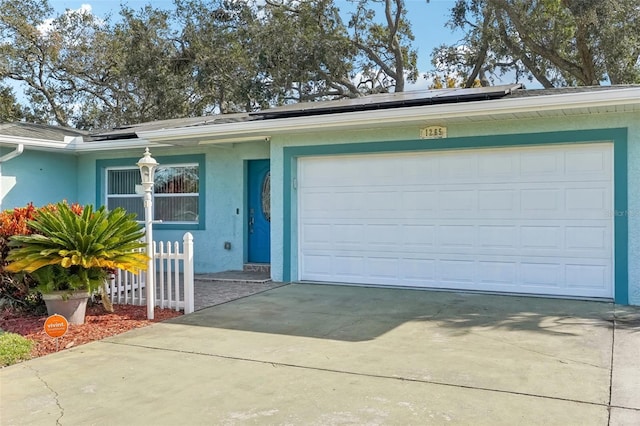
[(72, 306)]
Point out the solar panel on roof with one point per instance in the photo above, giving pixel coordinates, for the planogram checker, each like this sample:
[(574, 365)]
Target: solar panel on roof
[(389, 100), (365, 103)]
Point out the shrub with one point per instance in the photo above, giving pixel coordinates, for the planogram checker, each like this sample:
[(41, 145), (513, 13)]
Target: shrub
[(76, 250), (16, 289), (14, 348)]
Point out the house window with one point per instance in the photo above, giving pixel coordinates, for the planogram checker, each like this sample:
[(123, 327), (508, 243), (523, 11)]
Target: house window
[(176, 192)]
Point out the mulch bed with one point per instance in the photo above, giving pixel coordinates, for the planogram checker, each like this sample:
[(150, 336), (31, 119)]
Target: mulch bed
[(98, 325)]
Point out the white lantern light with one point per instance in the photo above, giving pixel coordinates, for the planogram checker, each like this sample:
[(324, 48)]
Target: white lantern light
[(148, 166)]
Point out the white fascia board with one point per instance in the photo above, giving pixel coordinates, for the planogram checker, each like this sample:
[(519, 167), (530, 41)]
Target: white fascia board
[(39, 144), (118, 144), (72, 145), (404, 115)]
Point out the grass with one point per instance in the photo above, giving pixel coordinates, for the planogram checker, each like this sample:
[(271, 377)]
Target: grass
[(13, 348)]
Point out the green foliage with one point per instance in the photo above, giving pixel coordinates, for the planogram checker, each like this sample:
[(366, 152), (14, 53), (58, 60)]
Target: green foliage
[(28, 56), (216, 39), (13, 348), (71, 251), (386, 57), (10, 109), (557, 43), (203, 57), (146, 78), (306, 52), (52, 278)]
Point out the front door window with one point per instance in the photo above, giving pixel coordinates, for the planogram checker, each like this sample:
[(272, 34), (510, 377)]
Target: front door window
[(266, 196)]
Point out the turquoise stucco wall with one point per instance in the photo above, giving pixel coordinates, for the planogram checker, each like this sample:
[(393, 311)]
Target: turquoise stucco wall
[(633, 182), (224, 199), (464, 129), (45, 177), (38, 177)]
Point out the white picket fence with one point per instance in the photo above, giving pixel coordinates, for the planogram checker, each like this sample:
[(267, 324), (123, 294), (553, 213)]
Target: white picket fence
[(173, 283)]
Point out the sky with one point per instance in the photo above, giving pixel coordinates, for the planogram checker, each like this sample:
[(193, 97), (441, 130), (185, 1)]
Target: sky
[(427, 21)]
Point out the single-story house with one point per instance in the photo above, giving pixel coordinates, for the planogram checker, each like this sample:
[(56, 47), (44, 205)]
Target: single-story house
[(495, 189)]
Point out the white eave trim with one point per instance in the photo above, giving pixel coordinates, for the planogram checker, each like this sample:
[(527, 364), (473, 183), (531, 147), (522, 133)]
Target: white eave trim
[(43, 144), (76, 144), (17, 151), (118, 144), (489, 108)]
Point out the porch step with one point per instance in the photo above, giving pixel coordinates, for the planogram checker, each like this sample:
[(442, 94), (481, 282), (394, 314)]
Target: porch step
[(255, 277), (257, 267)]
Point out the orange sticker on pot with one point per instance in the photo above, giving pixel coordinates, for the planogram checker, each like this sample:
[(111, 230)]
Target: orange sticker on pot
[(56, 325)]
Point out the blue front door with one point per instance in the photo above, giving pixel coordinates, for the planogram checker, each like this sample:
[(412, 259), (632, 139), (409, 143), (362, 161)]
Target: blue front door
[(259, 211)]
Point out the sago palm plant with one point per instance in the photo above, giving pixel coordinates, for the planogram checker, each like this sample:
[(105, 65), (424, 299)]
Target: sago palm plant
[(70, 251)]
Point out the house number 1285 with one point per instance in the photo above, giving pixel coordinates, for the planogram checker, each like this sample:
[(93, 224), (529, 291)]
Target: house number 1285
[(433, 132)]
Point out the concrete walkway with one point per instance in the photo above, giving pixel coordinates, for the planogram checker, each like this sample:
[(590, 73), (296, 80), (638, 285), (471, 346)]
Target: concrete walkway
[(325, 355), (211, 290)]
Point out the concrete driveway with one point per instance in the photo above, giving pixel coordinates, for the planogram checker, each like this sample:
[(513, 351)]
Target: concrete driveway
[(324, 355)]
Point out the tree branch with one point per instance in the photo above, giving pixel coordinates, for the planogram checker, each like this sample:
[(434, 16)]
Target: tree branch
[(530, 64), (482, 55), (549, 54), (393, 23)]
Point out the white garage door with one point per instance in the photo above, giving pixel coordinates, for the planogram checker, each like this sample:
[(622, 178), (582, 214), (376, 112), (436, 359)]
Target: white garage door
[(523, 220)]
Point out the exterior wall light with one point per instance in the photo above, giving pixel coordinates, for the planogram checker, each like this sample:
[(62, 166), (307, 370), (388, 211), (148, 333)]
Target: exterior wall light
[(148, 166)]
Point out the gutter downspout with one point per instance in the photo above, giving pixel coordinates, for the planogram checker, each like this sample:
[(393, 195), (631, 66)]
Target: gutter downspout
[(13, 154)]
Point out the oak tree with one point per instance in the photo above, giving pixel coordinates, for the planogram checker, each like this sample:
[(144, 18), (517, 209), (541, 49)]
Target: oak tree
[(556, 42)]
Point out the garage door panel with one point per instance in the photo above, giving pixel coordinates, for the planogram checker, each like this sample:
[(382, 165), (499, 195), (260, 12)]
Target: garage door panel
[(418, 270), (457, 236), (527, 220), (595, 239), (417, 170), (461, 168), (587, 200), (316, 234), (587, 162), (332, 203), (455, 270), (347, 235), (418, 237), (380, 236), (540, 275), (497, 236), (318, 266), (457, 200), (498, 272), (499, 165), (386, 201), (316, 202), (383, 267), (585, 276), (584, 241), (449, 167), (541, 237), (418, 201), (505, 200), (530, 203), (541, 165), (541, 201), (348, 267)]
